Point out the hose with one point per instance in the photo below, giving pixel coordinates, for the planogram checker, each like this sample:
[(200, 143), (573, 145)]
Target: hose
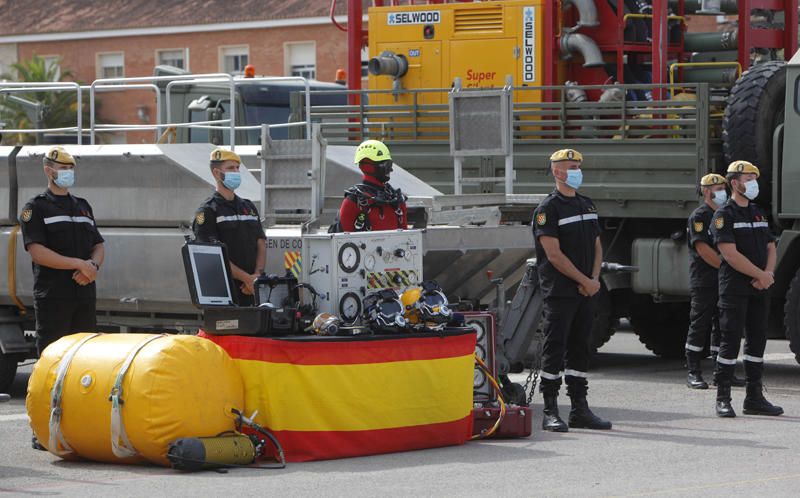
[(488, 433), (12, 270)]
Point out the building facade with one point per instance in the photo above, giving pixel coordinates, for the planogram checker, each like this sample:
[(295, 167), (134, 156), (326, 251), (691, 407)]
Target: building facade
[(279, 38)]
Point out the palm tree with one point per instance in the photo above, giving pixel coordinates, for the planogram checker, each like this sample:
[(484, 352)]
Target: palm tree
[(58, 109)]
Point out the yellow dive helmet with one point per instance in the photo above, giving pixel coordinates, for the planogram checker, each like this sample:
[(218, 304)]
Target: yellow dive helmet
[(409, 299), (426, 305)]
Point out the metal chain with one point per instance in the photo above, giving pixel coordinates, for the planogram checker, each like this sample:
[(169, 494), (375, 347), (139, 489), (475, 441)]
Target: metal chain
[(533, 378)]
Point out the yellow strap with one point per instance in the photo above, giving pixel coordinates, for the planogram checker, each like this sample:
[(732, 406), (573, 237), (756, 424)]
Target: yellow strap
[(12, 269)]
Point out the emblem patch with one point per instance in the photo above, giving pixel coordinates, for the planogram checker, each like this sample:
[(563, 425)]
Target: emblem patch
[(200, 218), (26, 215), (541, 219), (719, 222), (698, 226)]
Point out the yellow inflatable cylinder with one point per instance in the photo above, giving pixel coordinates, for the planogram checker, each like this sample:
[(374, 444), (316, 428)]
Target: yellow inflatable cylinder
[(173, 386)]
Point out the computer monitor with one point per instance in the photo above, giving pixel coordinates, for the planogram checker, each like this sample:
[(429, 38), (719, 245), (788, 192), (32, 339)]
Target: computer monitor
[(208, 274)]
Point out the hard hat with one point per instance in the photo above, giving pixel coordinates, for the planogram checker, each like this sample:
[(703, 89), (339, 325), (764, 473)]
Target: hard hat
[(409, 299), (326, 324), (384, 311), (712, 179), (374, 150), (566, 155), (743, 167), (220, 155), (60, 156)]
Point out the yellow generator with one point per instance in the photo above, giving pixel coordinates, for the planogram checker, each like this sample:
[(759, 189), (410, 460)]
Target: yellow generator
[(427, 46)]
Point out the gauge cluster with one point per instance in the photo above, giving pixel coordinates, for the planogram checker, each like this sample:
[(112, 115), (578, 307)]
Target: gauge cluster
[(346, 267)]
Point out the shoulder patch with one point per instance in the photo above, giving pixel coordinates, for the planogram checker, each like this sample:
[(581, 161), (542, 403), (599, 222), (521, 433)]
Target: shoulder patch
[(26, 215), (200, 218), (719, 222), (541, 219), (698, 226)]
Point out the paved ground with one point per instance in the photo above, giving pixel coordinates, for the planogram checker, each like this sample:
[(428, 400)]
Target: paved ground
[(666, 442)]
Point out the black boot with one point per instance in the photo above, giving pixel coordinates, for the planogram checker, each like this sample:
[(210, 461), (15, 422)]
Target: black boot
[(724, 408), (756, 404), (695, 378), (581, 417), (737, 382), (551, 421)]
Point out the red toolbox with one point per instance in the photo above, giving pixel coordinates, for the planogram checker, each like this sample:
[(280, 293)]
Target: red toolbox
[(516, 424)]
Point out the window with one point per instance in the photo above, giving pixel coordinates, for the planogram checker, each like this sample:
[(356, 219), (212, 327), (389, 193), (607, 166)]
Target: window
[(52, 62), (301, 59), (233, 59), (176, 57), (111, 65)]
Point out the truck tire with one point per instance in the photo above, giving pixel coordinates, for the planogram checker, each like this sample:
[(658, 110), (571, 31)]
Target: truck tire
[(8, 370), (755, 109), (661, 327), (791, 316), (603, 322)]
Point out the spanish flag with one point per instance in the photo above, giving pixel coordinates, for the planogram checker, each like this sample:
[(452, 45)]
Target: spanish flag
[(336, 397)]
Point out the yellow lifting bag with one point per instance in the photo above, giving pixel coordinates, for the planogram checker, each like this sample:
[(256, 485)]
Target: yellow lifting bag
[(124, 397)]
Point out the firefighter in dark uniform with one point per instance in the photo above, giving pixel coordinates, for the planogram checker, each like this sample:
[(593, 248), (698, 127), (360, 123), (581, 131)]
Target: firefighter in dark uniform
[(372, 204), (61, 236), (569, 254), (704, 262), (227, 218), (742, 235)]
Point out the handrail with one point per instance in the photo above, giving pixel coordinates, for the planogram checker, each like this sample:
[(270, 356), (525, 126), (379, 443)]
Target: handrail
[(142, 86), (144, 79), (234, 82), (57, 86), (675, 65), (650, 16)]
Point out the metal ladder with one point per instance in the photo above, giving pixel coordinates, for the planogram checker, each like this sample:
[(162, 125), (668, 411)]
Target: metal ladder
[(292, 178)]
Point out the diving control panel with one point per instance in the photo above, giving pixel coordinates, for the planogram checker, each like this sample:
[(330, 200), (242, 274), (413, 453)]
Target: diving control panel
[(344, 268)]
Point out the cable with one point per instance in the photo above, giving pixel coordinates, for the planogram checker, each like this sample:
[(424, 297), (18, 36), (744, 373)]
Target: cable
[(487, 433)]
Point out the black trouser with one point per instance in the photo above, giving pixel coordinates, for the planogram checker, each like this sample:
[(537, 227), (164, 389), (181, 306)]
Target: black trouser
[(703, 320), (56, 318), (567, 329), (742, 314)]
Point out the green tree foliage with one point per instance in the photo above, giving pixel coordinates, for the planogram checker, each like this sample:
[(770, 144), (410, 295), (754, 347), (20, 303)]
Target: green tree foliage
[(58, 108)]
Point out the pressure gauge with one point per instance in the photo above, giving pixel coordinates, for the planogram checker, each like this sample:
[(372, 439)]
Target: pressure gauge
[(349, 257), (349, 307), (478, 378), (479, 330), (369, 262), (413, 278), (480, 352)]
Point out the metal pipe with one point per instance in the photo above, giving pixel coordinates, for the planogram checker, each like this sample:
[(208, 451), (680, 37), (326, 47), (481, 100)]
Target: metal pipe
[(726, 76), (587, 12), (354, 42), (579, 43), (711, 42)]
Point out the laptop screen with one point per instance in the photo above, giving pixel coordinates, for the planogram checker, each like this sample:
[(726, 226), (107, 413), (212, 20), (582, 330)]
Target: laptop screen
[(210, 275)]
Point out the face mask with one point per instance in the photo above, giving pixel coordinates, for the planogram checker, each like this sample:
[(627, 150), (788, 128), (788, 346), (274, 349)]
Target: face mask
[(574, 178), (232, 180), (719, 198), (65, 178), (751, 189)]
